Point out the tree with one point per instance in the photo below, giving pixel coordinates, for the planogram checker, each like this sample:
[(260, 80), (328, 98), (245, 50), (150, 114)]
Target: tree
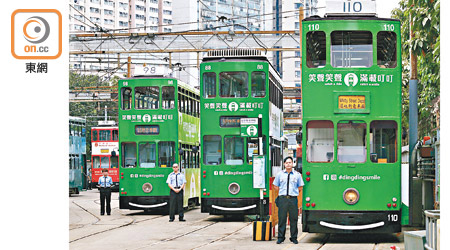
[(425, 44)]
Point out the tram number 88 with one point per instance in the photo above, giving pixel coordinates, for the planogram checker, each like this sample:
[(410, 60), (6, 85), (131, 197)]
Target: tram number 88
[(393, 217)]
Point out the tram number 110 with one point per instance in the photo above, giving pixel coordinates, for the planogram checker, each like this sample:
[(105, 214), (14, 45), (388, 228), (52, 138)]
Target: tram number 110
[(352, 8), (392, 217)]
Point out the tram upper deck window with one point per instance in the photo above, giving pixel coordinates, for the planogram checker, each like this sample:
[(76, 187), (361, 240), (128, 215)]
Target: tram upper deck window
[(351, 49), (316, 49), (166, 153), (233, 84), (94, 135), (147, 155), (104, 135), (320, 141), (126, 98), (115, 135), (146, 97), (234, 150), (129, 154), (351, 141), (258, 84), (212, 149), (168, 97), (383, 141), (209, 85), (387, 49)]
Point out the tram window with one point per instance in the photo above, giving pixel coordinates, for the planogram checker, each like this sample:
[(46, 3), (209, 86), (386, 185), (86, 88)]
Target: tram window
[(104, 135), (252, 148), (129, 154), (147, 155), (258, 84), (94, 135), (351, 141), (115, 135), (383, 141), (126, 98), (104, 162), (320, 141), (114, 161), (168, 97), (146, 97), (209, 85), (96, 162), (233, 84), (387, 49), (212, 149), (234, 150), (351, 49), (166, 153), (316, 55)]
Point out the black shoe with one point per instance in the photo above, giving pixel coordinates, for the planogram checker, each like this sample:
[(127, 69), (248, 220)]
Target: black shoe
[(182, 220), (279, 241), (171, 220), (102, 214), (109, 214), (295, 241)]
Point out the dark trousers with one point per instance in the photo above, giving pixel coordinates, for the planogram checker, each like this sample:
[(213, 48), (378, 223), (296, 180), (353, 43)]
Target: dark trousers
[(286, 205), (176, 204), (105, 195)]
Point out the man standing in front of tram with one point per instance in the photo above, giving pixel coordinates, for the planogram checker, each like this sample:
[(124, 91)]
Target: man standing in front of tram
[(176, 182), (287, 183), (105, 183)]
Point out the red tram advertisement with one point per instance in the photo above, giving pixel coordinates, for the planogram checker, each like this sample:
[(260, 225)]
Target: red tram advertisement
[(105, 151)]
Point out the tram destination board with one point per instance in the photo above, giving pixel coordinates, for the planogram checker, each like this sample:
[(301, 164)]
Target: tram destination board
[(147, 129), (352, 102)]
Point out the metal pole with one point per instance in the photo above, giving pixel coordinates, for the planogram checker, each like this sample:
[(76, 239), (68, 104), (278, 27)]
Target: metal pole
[(260, 151), (413, 121), (129, 67)]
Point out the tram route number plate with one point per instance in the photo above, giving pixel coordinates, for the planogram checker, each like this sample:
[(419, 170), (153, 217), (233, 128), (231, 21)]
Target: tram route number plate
[(352, 102), (104, 151)]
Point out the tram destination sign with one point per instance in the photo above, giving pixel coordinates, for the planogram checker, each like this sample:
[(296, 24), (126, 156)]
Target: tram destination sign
[(352, 102), (249, 127), (351, 7)]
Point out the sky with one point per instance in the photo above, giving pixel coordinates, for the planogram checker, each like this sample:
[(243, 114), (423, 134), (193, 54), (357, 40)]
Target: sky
[(384, 7)]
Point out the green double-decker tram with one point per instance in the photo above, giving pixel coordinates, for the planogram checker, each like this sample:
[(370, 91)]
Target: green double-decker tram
[(159, 125), (241, 104), (351, 90)]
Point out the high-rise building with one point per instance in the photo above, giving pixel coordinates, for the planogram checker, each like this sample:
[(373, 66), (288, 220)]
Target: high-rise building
[(121, 15)]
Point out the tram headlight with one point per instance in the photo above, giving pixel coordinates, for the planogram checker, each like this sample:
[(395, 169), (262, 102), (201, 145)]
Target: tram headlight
[(351, 196), (147, 187), (234, 188)]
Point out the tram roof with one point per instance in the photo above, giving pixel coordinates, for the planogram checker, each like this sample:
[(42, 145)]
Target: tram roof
[(348, 17), (179, 82)]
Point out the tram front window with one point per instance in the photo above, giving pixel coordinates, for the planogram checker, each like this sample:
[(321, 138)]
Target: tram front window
[(105, 162), (147, 155), (315, 49), (126, 98), (96, 162), (146, 97), (115, 135), (104, 135), (233, 84), (383, 141), (168, 97), (351, 141), (212, 149), (166, 153), (320, 141), (129, 154), (209, 85), (234, 150), (351, 49), (387, 49)]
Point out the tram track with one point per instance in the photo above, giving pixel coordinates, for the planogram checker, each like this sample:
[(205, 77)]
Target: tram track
[(221, 238), (133, 221)]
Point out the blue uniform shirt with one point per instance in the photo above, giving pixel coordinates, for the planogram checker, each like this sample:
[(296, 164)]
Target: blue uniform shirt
[(105, 181), (176, 180), (295, 181)]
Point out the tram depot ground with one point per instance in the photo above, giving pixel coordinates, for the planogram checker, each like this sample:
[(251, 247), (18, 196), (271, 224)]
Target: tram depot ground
[(126, 229)]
